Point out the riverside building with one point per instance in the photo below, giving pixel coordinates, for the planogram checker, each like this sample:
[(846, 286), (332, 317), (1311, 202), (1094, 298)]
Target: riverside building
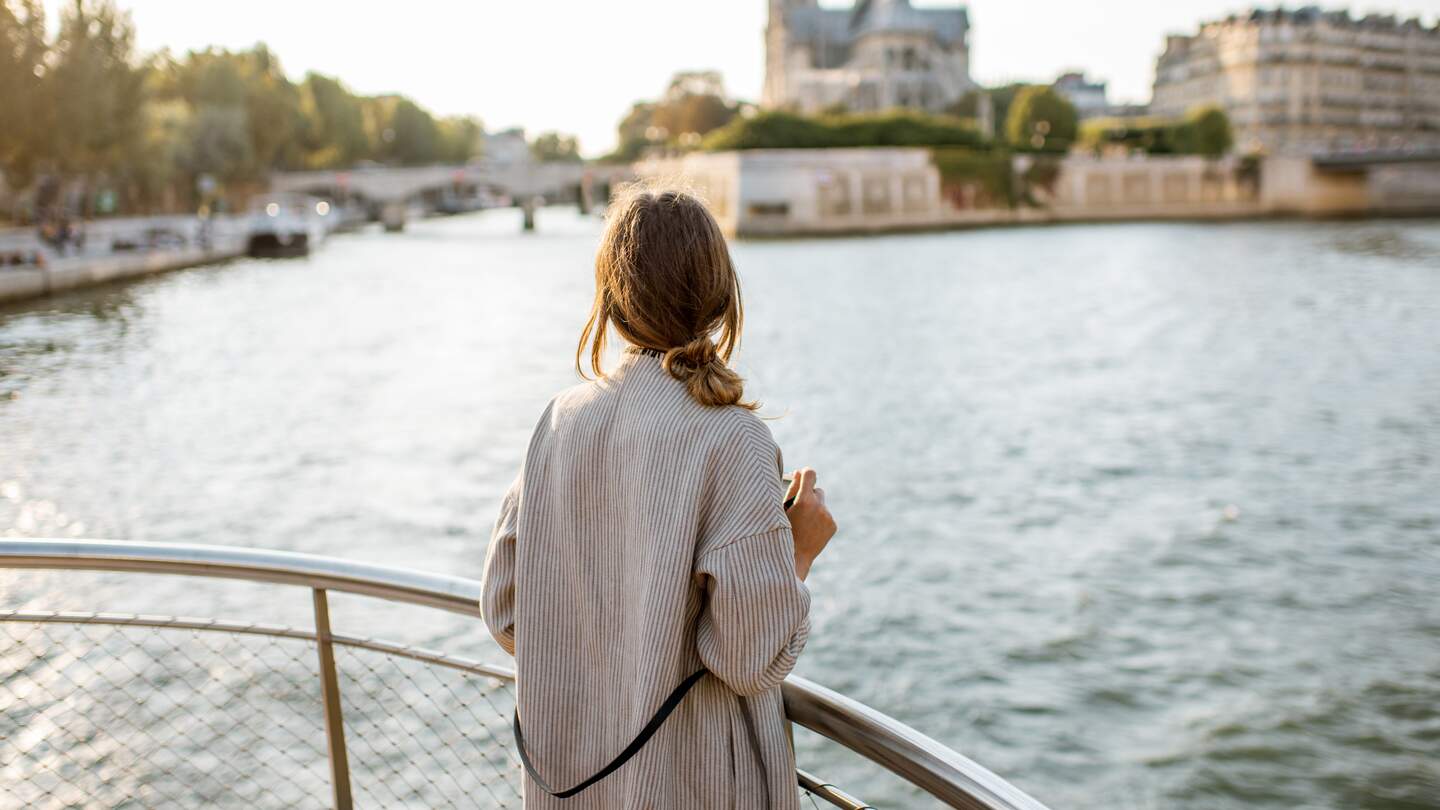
[(1309, 81), (877, 55), (1088, 97)]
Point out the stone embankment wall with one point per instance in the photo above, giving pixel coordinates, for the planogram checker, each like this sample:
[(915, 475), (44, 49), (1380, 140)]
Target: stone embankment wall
[(98, 263), (18, 283), (848, 191)]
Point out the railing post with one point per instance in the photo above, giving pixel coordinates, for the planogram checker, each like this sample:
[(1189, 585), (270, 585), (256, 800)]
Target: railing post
[(330, 695)]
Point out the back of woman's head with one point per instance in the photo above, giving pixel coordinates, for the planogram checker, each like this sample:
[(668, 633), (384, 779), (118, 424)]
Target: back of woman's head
[(664, 280)]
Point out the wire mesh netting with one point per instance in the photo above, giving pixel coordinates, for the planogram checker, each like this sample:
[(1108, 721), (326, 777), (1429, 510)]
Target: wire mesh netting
[(148, 717), (100, 710), (423, 735)]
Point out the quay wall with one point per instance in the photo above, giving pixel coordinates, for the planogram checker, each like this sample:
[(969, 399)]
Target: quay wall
[(797, 192), (60, 275), (98, 262)]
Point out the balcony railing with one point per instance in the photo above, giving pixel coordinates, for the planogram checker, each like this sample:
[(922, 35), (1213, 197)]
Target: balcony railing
[(168, 711)]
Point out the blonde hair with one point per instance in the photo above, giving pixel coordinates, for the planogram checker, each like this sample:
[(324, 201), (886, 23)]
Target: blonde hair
[(665, 281)]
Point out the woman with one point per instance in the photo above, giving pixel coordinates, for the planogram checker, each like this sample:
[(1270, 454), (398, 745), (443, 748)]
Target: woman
[(646, 541)]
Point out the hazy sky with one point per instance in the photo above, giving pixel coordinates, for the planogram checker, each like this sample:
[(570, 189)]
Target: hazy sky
[(576, 65)]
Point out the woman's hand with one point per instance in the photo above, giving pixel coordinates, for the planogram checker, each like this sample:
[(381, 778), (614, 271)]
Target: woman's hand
[(810, 521)]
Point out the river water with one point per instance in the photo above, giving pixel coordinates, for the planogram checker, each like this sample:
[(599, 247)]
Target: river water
[(1135, 515)]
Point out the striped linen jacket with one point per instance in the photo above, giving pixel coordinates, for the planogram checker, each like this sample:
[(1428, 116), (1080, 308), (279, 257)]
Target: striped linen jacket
[(646, 538)]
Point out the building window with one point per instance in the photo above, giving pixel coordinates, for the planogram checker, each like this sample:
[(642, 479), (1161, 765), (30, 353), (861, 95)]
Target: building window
[(769, 209), (877, 195), (834, 193), (917, 197)]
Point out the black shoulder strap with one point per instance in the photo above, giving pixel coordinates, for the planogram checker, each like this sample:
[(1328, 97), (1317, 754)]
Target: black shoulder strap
[(630, 750)]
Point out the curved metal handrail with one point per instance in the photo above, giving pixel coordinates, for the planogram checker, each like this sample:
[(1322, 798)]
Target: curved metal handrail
[(454, 594), (920, 760)]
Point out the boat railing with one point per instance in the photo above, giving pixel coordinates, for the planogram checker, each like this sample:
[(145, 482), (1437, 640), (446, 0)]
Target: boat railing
[(169, 710)]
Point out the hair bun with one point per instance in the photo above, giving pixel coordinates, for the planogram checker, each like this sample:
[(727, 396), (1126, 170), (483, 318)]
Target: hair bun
[(665, 281), (710, 381), (683, 361)]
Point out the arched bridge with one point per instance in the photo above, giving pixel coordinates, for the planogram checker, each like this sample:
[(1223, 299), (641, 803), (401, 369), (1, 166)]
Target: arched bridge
[(393, 189)]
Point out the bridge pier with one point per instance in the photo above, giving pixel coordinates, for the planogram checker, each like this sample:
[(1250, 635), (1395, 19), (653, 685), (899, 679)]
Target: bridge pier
[(392, 216), (587, 194), (528, 207)]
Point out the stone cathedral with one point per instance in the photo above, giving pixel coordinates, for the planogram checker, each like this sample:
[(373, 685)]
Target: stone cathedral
[(874, 56)]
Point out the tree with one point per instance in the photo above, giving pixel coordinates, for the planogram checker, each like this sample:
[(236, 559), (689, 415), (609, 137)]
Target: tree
[(203, 78), (1041, 120), (334, 124), (218, 144), (95, 88), (157, 168), (553, 147), (636, 133), (414, 137), (1205, 131), (86, 107), (694, 105), (272, 104), (694, 116), (460, 138), (695, 83), (253, 83), (1000, 100), (22, 67)]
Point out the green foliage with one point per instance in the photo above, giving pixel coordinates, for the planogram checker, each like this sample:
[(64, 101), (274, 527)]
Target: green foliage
[(85, 106), (1000, 100), (247, 117), (273, 105), (459, 138), (784, 130), (973, 178), (1152, 136), (217, 143), (1204, 131), (156, 164), (553, 147), (1040, 120), (22, 67), (409, 134), (95, 89), (334, 135), (692, 115), (634, 131), (693, 106), (1043, 173)]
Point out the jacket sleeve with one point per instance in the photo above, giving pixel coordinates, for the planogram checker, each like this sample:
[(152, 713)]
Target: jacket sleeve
[(497, 592), (757, 614)]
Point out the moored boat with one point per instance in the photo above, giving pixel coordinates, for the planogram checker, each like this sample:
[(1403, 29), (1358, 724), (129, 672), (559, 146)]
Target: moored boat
[(286, 225)]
